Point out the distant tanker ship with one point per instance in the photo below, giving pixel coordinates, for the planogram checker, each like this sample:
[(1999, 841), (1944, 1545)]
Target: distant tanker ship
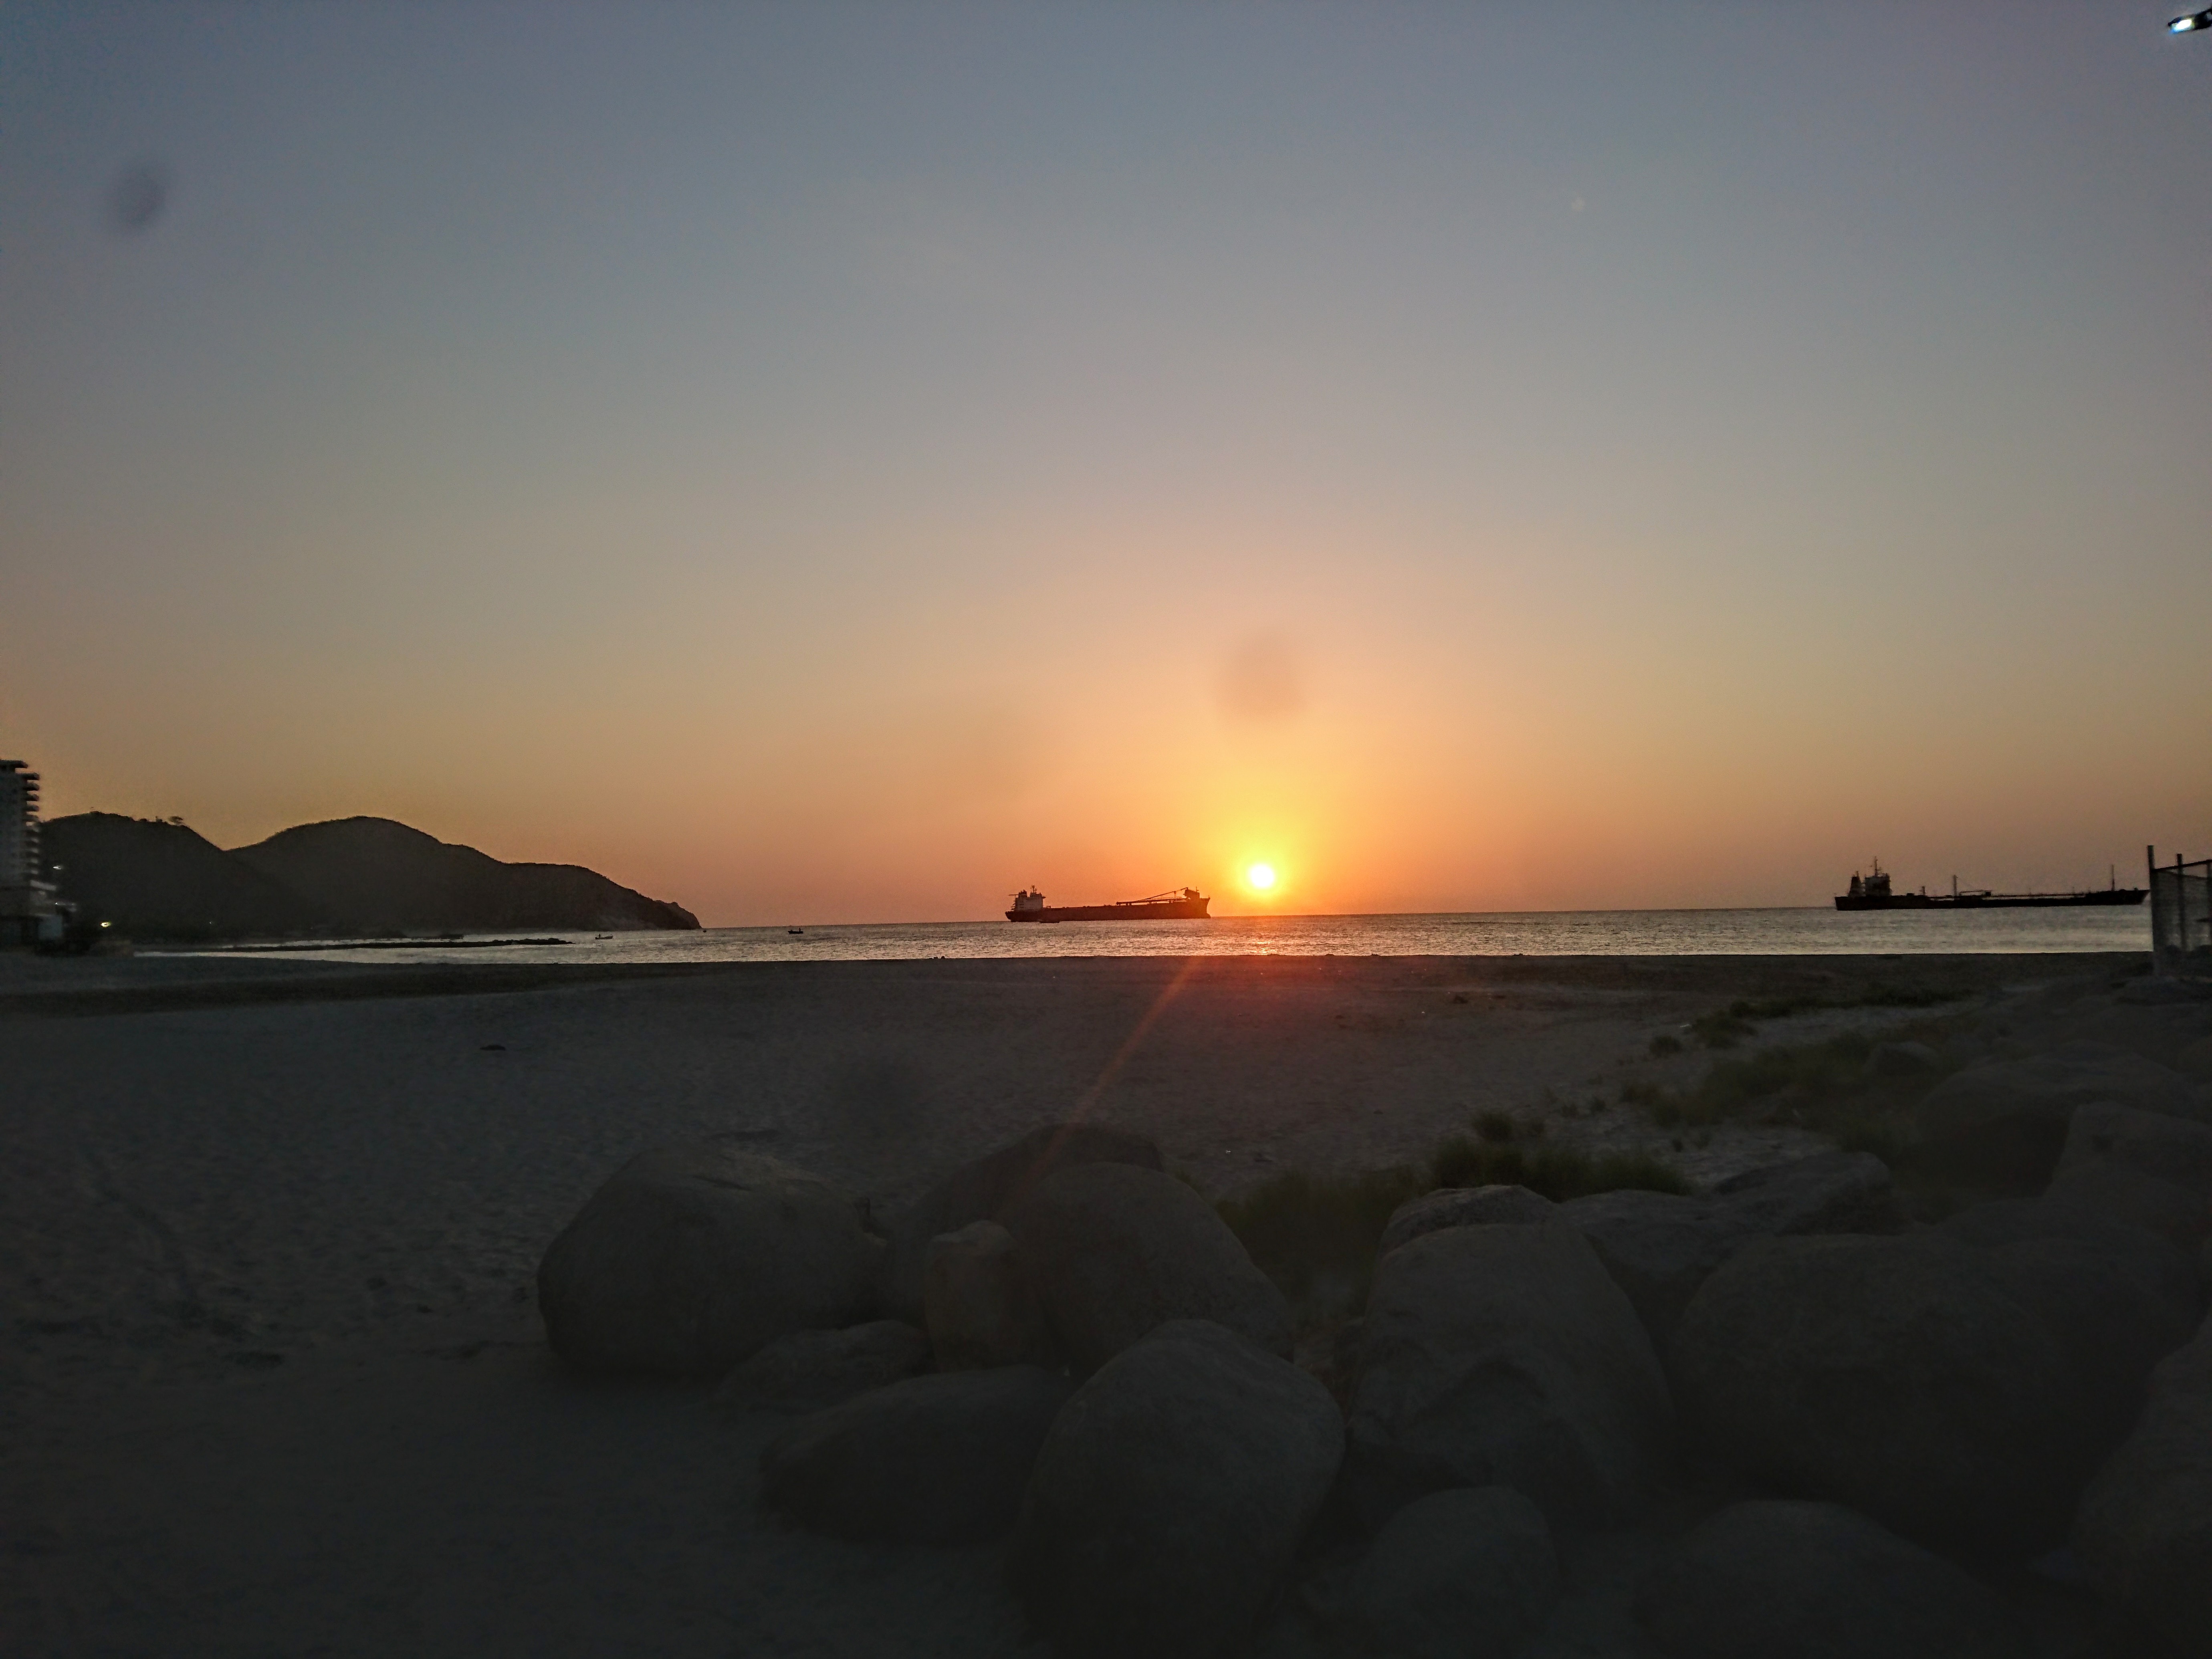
[(1188, 905), (1874, 893)]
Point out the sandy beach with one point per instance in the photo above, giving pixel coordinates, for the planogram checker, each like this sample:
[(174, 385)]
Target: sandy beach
[(274, 1380)]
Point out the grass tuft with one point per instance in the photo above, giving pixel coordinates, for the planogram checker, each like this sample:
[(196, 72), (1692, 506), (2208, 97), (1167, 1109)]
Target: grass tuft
[(1315, 1236), (1557, 1172)]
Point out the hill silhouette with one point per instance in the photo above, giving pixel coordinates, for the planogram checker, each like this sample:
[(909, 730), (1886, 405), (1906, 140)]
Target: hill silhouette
[(379, 876), (160, 879), (352, 876)]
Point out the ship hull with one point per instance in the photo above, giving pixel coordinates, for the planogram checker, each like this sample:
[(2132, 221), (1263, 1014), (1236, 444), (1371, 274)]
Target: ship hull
[(1992, 901), (1159, 910)]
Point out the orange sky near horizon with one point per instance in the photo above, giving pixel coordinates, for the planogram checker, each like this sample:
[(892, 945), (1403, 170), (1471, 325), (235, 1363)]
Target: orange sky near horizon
[(842, 465)]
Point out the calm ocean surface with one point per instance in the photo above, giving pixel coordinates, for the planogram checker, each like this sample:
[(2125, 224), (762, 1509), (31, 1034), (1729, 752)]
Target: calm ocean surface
[(1557, 932)]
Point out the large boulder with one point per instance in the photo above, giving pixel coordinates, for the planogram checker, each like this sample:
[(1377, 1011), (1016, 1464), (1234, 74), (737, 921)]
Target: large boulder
[(2003, 1125), (1465, 1574), (1817, 1581), (1505, 1355), (941, 1458), (2168, 1268), (983, 1190), (2153, 1143), (1462, 1206), (1113, 1250), (1659, 1246), (690, 1258), (2145, 1527), (1168, 1502), (1898, 1375), (1891, 1062), (2112, 1319), (978, 1302), (1825, 1193), (810, 1370), (2122, 1192)]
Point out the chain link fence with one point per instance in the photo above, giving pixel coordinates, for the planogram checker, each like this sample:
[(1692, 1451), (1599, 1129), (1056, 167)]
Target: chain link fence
[(2181, 917)]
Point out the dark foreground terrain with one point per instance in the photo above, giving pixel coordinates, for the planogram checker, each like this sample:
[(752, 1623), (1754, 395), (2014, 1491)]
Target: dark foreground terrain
[(278, 1378)]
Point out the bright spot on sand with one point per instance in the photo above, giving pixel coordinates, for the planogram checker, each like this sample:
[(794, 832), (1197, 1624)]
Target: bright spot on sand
[(1262, 875)]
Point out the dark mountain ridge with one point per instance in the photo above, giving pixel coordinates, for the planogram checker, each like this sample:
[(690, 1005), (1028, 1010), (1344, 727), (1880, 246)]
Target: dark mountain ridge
[(350, 875)]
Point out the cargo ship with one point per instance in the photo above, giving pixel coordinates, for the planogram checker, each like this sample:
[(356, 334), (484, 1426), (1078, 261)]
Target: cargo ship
[(1873, 892), (1188, 905)]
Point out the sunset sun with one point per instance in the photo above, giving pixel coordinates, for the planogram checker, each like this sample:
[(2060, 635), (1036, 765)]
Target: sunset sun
[(1261, 876)]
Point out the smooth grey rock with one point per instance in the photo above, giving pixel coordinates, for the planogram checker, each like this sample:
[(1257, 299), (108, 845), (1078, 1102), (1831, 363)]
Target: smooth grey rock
[(1893, 1061), (808, 1371), (1462, 1206), (1469, 1573), (2112, 1317), (983, 1191), (941, 1458), (2004, 1124), (1167, 1505), (1817, 1581), (1505, 1355), (2155, 1143), (2157, 1262), (1825, 1193), (2196, 1059), (1659, 1247), (1898, 1375), (1287, 1634), (981, 1309), (690, 1258), (1113, 1250), (2123, 1194), (2145, 1527)]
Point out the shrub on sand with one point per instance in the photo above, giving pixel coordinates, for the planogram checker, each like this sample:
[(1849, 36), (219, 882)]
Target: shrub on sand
[(1557, 1172), (1496, 1126), (1315, 1236)]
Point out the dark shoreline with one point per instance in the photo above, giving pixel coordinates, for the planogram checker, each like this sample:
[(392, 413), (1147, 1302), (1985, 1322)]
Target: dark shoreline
[(180, 984)]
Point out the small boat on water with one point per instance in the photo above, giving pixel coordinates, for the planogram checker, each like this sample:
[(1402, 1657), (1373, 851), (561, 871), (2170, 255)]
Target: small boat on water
[(1875, 892), (1187, 904)]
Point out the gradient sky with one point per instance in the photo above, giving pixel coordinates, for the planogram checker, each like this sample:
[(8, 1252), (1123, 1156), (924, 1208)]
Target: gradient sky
[(842, 462)]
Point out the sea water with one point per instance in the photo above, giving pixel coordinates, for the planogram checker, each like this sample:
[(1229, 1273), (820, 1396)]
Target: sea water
[(1800, 932)]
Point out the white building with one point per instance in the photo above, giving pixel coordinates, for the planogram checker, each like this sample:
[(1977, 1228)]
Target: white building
[(27, 911)]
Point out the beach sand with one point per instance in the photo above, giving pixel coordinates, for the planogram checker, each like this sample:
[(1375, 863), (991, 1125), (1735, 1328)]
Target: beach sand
[(274, 1381)]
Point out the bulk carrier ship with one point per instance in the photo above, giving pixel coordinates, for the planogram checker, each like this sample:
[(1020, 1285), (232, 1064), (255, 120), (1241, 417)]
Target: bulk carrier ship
[(1873, 892), (1188, 905)]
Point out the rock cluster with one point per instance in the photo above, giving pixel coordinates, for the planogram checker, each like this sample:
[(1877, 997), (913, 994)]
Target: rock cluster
[(1833, 1433)]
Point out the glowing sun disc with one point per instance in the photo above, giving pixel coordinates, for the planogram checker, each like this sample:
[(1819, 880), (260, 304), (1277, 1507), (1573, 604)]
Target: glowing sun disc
[(1262, 875)]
